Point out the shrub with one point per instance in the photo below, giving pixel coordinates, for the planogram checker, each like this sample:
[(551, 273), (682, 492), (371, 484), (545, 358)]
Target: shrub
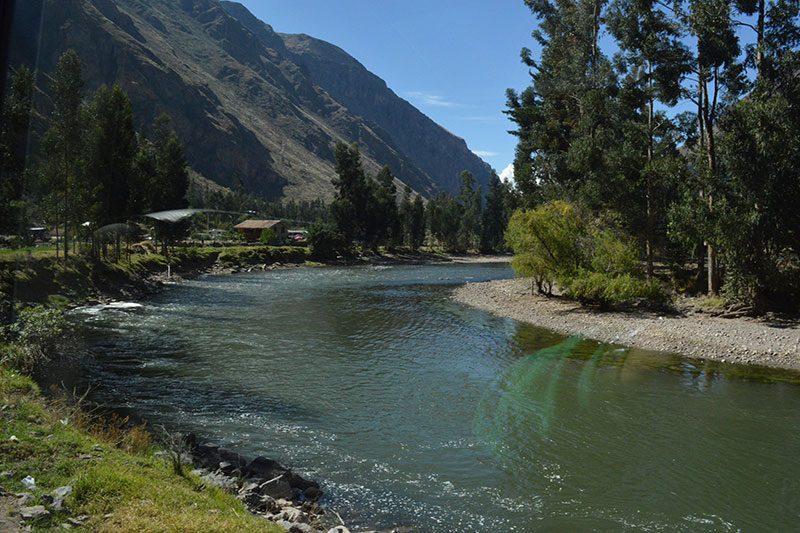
[(38, 334), (590, 259), (325, 241)]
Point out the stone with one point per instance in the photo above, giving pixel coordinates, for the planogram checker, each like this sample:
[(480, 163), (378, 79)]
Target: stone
[(253, 499), (32, 513), (338, 529), (277, 488), (62, 492), (264, 468), (270, 505), (222, 481), (24, 498), (312, 493), (292, 514)]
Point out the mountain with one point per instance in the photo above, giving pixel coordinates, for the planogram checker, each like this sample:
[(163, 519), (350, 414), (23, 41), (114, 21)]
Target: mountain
[(243, 98)]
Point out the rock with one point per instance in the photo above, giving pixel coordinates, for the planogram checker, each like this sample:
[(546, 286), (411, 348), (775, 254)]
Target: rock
[(292, 514), (312, 493), (32, 513), (338, 529), (62, 492), (295, 528), (264, 468), (270, 505), (277, 488), (252, 498), (222, 481), (24, 498)]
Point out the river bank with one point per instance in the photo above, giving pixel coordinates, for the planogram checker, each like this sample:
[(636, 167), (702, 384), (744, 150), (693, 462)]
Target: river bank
[(771, 341)]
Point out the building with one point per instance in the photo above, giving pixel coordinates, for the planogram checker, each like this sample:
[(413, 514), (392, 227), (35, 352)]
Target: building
[(251, 229)]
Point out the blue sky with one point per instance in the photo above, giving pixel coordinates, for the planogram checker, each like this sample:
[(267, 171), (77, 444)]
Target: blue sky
[(453, 60)]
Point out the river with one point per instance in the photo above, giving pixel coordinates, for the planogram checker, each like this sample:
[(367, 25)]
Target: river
[(413, 410)]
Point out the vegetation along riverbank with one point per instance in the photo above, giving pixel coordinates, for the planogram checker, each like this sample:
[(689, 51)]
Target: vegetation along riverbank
[(691, 329)]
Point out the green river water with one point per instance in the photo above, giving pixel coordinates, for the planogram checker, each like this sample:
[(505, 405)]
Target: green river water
[(413, 410)]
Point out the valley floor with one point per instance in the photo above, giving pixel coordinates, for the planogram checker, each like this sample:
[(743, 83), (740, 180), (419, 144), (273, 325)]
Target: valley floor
[(770, 342)]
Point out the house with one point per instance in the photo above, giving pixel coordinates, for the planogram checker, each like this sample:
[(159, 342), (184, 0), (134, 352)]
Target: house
[(251, 229)]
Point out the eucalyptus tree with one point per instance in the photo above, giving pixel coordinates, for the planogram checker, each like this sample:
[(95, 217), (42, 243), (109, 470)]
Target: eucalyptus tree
[(564, 118), (494, 218), (14, 129), (470, 222), (720, 79), (760, 154), (63, 142), (656, 62), (112, 147), (351, 206)]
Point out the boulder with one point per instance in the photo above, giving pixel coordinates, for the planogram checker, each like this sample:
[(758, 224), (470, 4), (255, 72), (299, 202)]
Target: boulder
[(277, 488), (263, 468), (312, 493), (32, 513), (220, 480)]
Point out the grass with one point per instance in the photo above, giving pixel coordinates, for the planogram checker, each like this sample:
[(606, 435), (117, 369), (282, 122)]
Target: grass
[(22, 254), (119, 484), (712, 302)]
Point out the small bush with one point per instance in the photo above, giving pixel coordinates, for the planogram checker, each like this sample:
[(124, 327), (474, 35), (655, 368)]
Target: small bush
[(37, 335), (325, 241)]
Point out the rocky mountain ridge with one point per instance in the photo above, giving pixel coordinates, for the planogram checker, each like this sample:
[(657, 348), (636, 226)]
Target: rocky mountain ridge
[(243, 98)]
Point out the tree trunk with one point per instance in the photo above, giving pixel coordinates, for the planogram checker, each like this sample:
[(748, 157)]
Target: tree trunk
[(649, 177)]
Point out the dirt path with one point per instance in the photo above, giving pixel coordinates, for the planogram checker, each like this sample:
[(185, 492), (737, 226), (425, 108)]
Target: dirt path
[(741, 340)]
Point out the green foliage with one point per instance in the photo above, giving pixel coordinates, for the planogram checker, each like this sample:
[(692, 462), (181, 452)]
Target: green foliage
[(325, 241), (37, 335), (267, 236), (14, 123), (587, 258)]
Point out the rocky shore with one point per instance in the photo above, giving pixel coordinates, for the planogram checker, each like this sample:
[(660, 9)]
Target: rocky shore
[(768, 341)]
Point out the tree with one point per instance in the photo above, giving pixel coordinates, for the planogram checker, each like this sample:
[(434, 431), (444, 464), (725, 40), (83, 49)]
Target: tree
[(112, 149), (469, 232), (351, 206), (720, 78), (563, 117), (14, 130), (170, 179), (64, 139), (493, 218), (417, 235), (387, 219), (406, 215), (657, 61), (171, 176), (760, 158), (444, 219)]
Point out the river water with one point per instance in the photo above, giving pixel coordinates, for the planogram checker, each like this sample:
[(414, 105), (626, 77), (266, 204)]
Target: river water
[(413, 410)]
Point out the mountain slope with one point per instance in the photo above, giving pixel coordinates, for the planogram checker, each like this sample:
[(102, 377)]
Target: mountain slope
[(240, 99), (435, 150)]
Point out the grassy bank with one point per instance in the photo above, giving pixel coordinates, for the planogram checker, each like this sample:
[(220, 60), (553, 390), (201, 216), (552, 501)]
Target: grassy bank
[(26, 276), (118, 484)]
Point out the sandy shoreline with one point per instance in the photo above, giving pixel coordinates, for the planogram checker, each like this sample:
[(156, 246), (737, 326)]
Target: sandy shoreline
[(739, 340)]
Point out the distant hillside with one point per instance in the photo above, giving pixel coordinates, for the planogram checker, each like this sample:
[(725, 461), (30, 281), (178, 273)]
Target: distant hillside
[(242, 97)]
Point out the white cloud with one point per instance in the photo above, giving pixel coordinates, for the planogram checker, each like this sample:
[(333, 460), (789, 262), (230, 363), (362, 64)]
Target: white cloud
[(507, 174), (430, 99), (484, 153)]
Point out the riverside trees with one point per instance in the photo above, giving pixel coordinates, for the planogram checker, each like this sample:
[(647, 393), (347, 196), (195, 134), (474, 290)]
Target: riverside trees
[(599, 133), (92, 166), (366, 211)]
